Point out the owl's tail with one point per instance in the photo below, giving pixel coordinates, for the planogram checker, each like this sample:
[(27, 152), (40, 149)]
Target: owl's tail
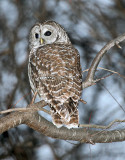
[(66, 114)]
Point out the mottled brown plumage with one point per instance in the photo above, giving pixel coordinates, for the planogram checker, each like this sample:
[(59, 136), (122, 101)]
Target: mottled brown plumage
[(55, 73)]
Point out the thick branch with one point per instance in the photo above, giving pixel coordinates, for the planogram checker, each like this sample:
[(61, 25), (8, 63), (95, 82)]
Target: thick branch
[(14, 119), (81, 134), (90, 77), (40, 124)]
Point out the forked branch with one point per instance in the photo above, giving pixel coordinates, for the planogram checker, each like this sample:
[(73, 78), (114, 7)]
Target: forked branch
[(91, 73)]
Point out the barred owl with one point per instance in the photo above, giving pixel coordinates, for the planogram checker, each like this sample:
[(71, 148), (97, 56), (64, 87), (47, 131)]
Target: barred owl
[(55, 73)]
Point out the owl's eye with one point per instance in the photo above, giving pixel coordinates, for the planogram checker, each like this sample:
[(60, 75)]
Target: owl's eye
[(47, 33), (36, 35)]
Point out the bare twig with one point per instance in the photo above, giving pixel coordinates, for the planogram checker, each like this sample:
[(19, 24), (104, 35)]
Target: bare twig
[(112, 71), (30, 108), (24, 110), (100, 126), (103, 77)]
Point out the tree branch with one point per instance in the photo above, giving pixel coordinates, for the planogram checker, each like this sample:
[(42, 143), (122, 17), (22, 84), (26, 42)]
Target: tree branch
[(91, 73), (31, 107), (40, 124)]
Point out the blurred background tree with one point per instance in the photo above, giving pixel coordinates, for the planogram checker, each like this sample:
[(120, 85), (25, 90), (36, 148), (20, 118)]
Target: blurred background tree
[(90, 25)]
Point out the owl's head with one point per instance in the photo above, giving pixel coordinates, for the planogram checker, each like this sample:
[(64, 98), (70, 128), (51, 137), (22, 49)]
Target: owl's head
[(48, 32)]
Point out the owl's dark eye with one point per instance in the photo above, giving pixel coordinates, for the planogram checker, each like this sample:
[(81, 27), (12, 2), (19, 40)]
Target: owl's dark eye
[(47, 33), (36, 35)]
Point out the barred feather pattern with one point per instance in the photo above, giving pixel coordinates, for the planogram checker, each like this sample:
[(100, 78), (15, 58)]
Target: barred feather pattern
[(55, 73)]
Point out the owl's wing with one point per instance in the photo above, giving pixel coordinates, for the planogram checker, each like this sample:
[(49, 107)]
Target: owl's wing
[(57, 73)]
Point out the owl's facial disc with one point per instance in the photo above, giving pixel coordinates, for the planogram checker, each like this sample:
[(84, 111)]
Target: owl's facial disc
[(48, 34), (52, 32)]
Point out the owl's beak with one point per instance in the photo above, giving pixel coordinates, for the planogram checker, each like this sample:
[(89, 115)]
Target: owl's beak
[(41, 40)]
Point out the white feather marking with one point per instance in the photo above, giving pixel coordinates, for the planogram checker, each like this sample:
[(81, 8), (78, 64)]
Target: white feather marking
[(58, 125), (73, 125)]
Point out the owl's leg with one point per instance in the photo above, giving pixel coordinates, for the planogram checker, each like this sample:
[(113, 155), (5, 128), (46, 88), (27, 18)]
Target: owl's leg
[(56, 119), (74, 120)]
